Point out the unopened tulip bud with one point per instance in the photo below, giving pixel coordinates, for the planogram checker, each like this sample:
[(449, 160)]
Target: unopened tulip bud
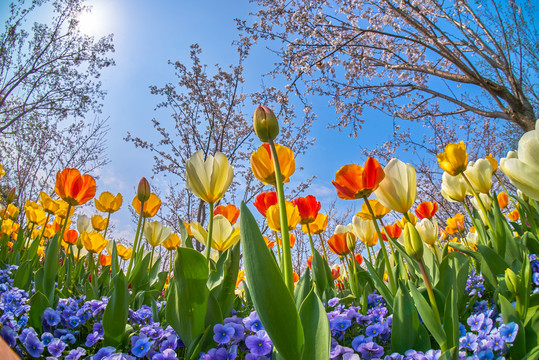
[(350, 241), (143, 191), (412, 241), (10, 196), (512, 281), (265, 123)]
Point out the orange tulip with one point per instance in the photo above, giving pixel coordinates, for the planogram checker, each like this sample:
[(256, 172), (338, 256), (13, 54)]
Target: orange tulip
[(231, 212), (336, 272), (241, 276), (74, 188), (269, 243), (359, 258), (296, 277), (318, 226), (262, 163), (105, 260), (513, 215), (71, 236), (354, 182), (292, 240), (151, 207), (454, 224), (310, 262), (264, 200), (426, 209), (337, 244), (308, 208), (503, 200), (393, 231)]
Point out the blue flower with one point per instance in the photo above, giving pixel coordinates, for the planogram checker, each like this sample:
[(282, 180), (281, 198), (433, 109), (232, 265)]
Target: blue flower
[(75, 354), (68, 338), (536, 278), (73, 321), (33, 346), (340, 324), (370, 350), (508, 332), (51, 317), (223, 333), (253, 323), (119, 356), (56, 347), (374, 330), (171, 342), (259, 344), (92, 339), (333, 302), (46, 338), (462, 330), (9, 335), (168, 354), (359, 340), (142, 346), (104, 352), (485, 355), (475, 321), (469, 342)]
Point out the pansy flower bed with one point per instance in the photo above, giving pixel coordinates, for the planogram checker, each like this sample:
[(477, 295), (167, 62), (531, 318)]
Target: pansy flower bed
[(467, 291)]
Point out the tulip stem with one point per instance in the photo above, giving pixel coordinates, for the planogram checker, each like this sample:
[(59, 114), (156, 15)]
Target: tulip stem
[(343, 260), (45, 225), (151, 258), (210, 231), (287, 256), (480, 237), (107, 227), (369, 252), (135, 243), (323, 248), (169, 265), (428, 285), (279, 259), (310, 240), (479, 201), (69, 206), (383, 246)]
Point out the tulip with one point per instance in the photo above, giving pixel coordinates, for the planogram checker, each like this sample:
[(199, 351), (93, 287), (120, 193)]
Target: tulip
[(108, 203), (37, 217), (412, 242), (71, 236), (492, 162), (155, 233), (93, 242), (49, 205), (454, 189), (486, 201), (269, 243), (150, 207), (310, 262), (264, 200), (172, 243), (143, 190), (394, 231), (99, 223), (471, 239), (514, 215), (480, 175), (308, 208), (10, 196), (224, 235), (124, 252), (265, 124), (454, 224), (292, 240), (62, 212), (426, 210), (398, 189), (263, 167), (512, 281), (364, 231), (11, 212), (503, 200), (208, 179), (7, 227), (336, 271), (105, 260), (84, 224), (337, 243), (292, 214), (2, 173), (428, 229), (454, 159), (74, 188), (318, 226), (378, 209), (355, 182), (231, 212), (522, 168), (359, 259)]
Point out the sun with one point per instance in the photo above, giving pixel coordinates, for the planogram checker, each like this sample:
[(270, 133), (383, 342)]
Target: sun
[(95, 20)]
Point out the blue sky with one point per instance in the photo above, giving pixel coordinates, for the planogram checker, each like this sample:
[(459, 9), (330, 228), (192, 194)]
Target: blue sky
[(147, 34)]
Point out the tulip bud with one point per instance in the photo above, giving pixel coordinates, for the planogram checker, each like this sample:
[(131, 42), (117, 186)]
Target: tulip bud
[(412, 241), (143, 191), (10, 196), (512, 281), (350, 241), (265, 124)]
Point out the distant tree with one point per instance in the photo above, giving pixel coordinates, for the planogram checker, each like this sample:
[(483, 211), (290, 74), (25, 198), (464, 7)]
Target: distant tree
[(210, 112), (454, 70), (50, 69)]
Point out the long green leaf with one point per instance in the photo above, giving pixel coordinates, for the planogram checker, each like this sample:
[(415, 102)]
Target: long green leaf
[(380, 286), (509, 314), (50, 269), (38, 304), (319, 273), (271, 298), (303, 287), (226, 294), (116, 312), (406, 325), (316, 324), (427, 315)]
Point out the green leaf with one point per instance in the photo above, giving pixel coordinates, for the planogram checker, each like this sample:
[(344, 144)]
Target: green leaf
[(404, 317), (492, 264), (532, 331), (319, 273), (316, 324), (38, 304), (271, 297), (381, 286), (451, 318), (303, 287), (509, 314), (427, 315), (114, 260), (50, 268), (140, 279), (22, 278), (116, 312), (188, 303), (226, 294)]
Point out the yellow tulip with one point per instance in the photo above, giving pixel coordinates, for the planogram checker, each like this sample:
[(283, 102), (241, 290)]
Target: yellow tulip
[(99, 223), (364, 231), (224, 235), (262, 163), (155, 233), (208, 179), (124, 252), (2, 173), (151, 206), (50, 206), (62, 210), (318, 226), (292, 214), (10, 212), (480, 175), (454, 159), (35, 216), (454, 188), (108, 203), (378, 209), (398, 189), (7, 227), (172, 242), (492, 162), (93, 242), (522, 168)]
